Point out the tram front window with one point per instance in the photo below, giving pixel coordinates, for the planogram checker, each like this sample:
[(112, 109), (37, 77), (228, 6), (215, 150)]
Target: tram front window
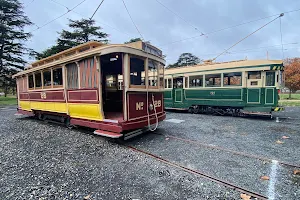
[(137, 71)]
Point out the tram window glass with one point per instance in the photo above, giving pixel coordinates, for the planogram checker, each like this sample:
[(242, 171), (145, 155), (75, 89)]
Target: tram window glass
[(270, 78), (137, 71), (57, 77), (152, 73), (166, 83), (234, 78), (254, 75), (213, 80), (47, 78), (170, 83), (196, 81), (178, 83), (30, 81), (120, 82), (38, 79), (161, 75), (72, 76)]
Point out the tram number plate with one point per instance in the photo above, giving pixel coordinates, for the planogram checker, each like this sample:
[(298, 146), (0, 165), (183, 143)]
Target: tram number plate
[(43, 95), (157, 103)]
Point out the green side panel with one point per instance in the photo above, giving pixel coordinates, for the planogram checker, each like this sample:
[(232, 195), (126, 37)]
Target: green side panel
[(253, 95), (168, 94), (269, 96), (214, 94), (178, 95)]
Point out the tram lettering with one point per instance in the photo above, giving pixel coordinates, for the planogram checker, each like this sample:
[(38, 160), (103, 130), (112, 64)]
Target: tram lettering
[(139, 106), (157, 103), (43, 95)]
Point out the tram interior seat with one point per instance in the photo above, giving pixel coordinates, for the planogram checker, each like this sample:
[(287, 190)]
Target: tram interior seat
[(112, 92)]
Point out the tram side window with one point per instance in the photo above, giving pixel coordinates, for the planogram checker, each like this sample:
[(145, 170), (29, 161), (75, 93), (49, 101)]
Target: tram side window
[(234, 78), (254, 75), (270, 78), (72, 76), (57, 77), (38, 79), (196, 81), (47, 78), (213, 80), (152, 73), (137, 71), (161, 75), (170, 83), (30, 81)]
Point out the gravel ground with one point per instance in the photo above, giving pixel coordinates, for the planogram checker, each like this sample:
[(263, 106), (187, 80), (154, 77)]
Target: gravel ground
[(48, 161)]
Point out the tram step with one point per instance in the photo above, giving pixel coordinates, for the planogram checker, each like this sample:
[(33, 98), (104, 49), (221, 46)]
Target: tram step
[(108, 134)]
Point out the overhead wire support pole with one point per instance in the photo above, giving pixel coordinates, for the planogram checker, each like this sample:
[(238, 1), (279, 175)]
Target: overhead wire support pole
[(96, 10), (281, 15)]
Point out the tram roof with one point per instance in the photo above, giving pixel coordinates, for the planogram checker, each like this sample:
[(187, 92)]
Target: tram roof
[(92, 48), (210, 66)]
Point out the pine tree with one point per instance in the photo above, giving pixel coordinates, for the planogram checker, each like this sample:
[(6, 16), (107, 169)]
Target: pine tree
[(81, 32), (133, 40), (12, 38), (185, 59)]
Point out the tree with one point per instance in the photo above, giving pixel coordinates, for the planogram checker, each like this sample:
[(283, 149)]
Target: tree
[(82, 31), (12, 38), (292, 74), (133, 40), (185, 59)]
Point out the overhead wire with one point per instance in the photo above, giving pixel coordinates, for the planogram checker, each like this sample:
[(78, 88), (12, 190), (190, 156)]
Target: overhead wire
[(226, 28), (94, 19), (248, 36), (96, 9), (183, 19), (49, 22), (281, 41)]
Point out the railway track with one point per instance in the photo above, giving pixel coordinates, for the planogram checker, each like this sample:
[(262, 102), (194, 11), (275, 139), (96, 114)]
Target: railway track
[(195, 142), (199, 173)]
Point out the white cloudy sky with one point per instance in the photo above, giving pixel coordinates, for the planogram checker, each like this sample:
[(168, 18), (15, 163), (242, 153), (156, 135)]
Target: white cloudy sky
[(162, 27)]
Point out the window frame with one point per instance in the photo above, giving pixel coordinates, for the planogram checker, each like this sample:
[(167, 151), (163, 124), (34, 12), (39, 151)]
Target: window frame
[(52, 77), (241, 84), (157, 75), (28, 79), (203, 81), (213, 86), (254, 78), (145, 68), (274, 79), (35, 87)]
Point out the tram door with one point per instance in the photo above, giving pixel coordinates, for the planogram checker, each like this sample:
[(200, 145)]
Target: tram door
[(178, 98)]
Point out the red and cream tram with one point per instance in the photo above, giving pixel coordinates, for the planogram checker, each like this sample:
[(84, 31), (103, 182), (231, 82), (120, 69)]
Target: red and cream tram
[(115, 89)]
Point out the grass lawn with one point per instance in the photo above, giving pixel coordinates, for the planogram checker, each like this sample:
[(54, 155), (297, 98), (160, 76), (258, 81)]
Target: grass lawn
[(286, 96), (8, 101), (289, 103)]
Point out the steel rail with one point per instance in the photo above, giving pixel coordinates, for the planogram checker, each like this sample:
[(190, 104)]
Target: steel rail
[(199, 173), (228, 150)]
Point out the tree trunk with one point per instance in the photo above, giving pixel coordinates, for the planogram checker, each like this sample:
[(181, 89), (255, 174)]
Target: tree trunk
[(290, 94)]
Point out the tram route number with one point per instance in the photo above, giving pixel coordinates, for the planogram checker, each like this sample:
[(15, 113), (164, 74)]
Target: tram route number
[(43, 95), (140, 105)]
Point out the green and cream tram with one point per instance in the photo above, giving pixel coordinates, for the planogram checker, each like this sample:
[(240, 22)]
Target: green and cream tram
[(248, 86)]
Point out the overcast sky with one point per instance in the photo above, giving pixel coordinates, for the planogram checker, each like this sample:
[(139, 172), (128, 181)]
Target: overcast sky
[(162, 27)]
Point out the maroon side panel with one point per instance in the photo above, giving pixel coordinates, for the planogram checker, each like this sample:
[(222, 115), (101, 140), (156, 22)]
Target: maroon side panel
[(137, 104), (97, 125), (83, 96), (48, 96), (24, 96)]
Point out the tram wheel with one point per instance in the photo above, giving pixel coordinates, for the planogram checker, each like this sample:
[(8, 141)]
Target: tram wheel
[(191, 110)]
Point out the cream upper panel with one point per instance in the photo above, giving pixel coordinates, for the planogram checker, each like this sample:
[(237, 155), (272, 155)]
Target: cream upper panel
[(228, 66)]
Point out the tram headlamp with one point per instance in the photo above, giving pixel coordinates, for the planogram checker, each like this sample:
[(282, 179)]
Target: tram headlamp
[(151, 107)]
